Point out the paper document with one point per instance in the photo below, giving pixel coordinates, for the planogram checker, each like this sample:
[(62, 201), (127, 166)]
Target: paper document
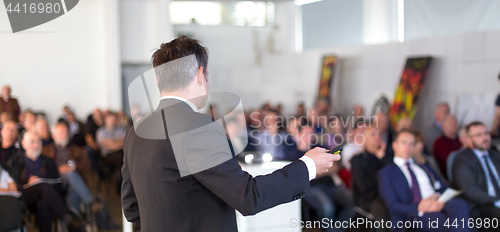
[(43, 180), (14, 194), (448, 195)]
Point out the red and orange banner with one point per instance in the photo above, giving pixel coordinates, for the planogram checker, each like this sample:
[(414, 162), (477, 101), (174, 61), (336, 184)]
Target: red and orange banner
[(409, 89)]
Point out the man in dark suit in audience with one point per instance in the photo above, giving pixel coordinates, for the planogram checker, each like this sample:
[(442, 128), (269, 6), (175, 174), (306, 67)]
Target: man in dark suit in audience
[(364, 169), (411, 191), (179, 173), (476, 171)]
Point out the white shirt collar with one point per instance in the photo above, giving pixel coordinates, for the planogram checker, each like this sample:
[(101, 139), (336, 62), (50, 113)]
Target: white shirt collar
[(479, 153), (402, 162), (182, 99)]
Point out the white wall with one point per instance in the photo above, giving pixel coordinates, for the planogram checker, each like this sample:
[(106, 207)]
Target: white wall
[(73, 59), (333, 23), (144, 25), (430, 18)]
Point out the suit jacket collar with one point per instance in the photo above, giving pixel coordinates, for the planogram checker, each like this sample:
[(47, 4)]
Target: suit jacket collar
[(172, 102), (189, 103)]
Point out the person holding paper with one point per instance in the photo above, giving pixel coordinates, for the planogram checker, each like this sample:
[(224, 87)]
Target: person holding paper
[(476, 171), (44, 198), (411, 191)]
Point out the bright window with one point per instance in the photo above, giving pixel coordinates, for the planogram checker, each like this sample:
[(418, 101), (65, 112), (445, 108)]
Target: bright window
[(238, 13)]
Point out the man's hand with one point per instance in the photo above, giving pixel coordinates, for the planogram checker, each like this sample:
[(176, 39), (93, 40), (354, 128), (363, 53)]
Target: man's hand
[(322, 159), (436, 206), (64, 168), (32, 179), (430, 204)]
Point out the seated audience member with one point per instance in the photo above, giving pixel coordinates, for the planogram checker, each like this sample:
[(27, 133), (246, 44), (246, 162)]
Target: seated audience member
[(235, 136), (358, 113), (295, 146), (270, 139), (420, 157), (465, 141), (447, 143), (354, 145), (476, 173), (110, 139), (9, 104), (94, 122), (4, 117), (364, 168), (436, 130), (43, 131), (334, 133), (403, 123), (495, 130), (122, 120), (29, 119), (68, 158), (10, 144), (330, 198), (44, 198), (301, 111), (323, 107), (76, 130), (66, 110), (381, 120), (316, 120), (411, 191)]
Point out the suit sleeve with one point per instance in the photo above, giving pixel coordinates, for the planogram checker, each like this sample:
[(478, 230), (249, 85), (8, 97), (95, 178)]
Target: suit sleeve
[(388, 193), (463, 177), (129, 200), (249, 195)]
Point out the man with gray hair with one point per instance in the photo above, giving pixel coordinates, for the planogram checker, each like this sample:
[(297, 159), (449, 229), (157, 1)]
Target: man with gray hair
[(43, 197), (179, 173), (436, 129), (446, 143)]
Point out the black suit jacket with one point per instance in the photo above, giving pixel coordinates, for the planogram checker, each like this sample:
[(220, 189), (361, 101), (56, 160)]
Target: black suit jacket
[(364, 168), (156, 195), (469, 176)]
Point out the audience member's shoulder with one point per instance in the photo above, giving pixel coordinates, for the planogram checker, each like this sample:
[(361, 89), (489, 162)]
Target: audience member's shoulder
[(388, 169), (198, 120), (357, 159), (494, 153), (464, 154)]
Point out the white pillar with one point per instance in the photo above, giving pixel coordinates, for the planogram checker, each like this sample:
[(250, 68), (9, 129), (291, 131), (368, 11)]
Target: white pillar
[(379, 21), (113, 63)]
